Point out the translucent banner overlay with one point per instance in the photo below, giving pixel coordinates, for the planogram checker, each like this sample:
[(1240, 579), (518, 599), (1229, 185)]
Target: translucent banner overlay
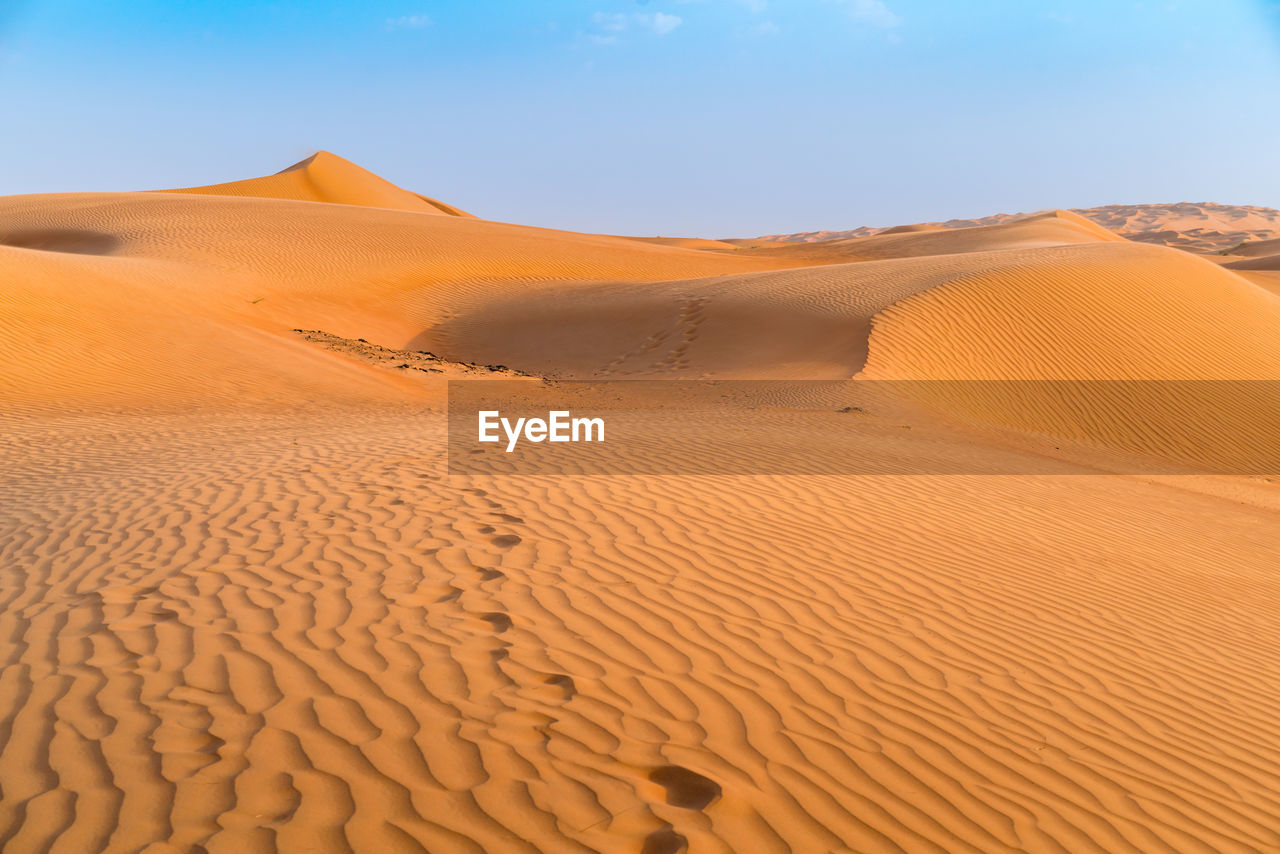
[(709, 427)]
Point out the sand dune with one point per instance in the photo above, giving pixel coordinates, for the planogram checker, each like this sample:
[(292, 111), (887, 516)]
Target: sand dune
[(1255, 248), (1197, 227), (1083, 312), (1054, 228), (1264, 262), (690, 242), (1254, 255), (1093, 314), (326, 177), (194, 279), (1201, 227), (1103, 311), (245, 608)]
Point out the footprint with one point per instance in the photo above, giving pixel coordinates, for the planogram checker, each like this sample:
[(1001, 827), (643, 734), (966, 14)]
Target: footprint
[(500, 622), (564, 682), (487, 529), (685, 788), (505, 541), (664, 841), (507, 517), (488, 574)]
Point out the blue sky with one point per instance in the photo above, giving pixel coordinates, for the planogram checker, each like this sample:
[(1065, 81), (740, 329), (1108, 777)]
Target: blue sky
[(704, 117)]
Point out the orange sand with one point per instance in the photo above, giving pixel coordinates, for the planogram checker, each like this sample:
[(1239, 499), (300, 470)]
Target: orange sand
[(245, 609), (1196, 227)]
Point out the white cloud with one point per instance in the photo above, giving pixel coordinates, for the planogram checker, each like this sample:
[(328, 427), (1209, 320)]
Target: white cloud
[(408, 22), (765, 28), (872, 12), (660, 23), (609, 25)]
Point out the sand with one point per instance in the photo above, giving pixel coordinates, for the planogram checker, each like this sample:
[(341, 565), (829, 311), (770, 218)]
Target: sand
[(246, 608), (325, 177), (1253, 255), (1203, 227)]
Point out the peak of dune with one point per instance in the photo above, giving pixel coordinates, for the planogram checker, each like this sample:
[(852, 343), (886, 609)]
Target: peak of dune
[(324, 157), (326, 177), (909, 229), (1077, 219)]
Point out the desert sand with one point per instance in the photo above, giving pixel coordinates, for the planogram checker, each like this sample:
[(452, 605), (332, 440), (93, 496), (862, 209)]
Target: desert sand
[(245, 608), (1195, 226)]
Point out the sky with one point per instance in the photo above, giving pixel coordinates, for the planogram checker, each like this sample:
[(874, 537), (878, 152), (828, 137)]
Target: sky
[(714, 118)]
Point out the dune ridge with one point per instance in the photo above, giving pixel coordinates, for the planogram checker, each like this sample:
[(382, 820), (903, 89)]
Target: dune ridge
[(1052, 228), (326, 177), (1198, 227), (1254, 255)]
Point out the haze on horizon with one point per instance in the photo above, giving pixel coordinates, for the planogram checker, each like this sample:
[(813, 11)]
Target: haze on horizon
[(706, 117)]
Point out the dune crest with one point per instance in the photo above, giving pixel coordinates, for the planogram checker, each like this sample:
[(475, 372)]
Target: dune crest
[(1196, 227), (1253, 255), (1052, 228), (326, 177)]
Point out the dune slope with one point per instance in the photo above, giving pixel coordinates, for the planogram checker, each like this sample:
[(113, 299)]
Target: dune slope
[(119, 296), (1255, 255)]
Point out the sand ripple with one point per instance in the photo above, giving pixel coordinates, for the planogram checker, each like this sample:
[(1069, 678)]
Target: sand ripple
[(299, 636)]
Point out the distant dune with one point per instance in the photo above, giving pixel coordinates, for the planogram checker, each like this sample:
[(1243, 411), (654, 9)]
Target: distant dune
[(1053, 228), (1254, 255), (1199, 227), (246, 607)]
